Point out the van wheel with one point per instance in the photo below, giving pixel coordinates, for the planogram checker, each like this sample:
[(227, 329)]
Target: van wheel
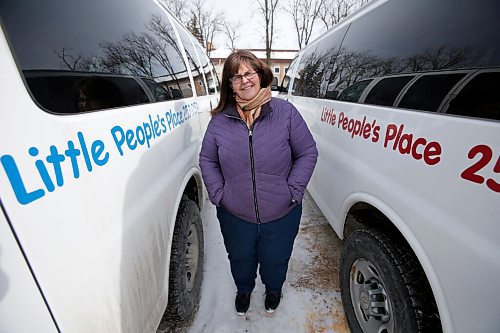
[(384, 288), (186, 264)]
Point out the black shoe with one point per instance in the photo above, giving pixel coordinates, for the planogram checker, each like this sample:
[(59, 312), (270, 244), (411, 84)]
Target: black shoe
[(272, 301), (242, 303)]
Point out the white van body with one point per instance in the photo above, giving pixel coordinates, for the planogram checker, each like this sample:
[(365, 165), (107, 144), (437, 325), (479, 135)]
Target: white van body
[(90, 200), (431, 176)]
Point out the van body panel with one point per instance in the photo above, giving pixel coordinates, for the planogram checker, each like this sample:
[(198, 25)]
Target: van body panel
[(436, 206), (434, 174), (93, 199), (112, 223), (18, 291)]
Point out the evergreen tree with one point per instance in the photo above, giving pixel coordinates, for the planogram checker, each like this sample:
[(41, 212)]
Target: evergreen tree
[(193, 28)]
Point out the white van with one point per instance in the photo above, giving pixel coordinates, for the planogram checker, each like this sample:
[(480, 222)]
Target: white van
[(403, 99), (103, 107)]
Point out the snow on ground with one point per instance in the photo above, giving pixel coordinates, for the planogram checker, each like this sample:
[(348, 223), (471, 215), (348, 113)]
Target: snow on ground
[(311, 299)]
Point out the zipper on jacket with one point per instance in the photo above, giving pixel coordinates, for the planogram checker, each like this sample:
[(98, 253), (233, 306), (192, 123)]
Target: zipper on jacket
[(252, 167)]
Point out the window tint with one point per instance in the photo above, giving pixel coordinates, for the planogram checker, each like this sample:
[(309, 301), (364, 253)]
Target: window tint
[(159, 93), (479, 98), (317, 66), (429, 91), (418, 36), (58, 45), (353, 93), (74, 92), (386, 90)]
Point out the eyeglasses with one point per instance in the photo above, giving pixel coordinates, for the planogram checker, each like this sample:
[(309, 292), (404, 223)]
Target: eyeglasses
[(238, 78)]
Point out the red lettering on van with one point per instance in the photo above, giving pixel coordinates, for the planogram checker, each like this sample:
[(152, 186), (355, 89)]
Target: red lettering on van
[(471, 173), (406, 144)]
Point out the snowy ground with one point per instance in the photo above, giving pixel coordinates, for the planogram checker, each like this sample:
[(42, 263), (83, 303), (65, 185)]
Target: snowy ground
[(311, 298)]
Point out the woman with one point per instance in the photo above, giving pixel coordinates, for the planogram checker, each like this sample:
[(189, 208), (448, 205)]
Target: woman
[(256, 159)]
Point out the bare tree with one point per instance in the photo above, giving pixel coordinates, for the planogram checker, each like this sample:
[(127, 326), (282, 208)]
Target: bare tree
[(179, 8), (268, 9), (305, 13), (73, 62), (334, 11), (209, 23), (231, 30), (140, 54)]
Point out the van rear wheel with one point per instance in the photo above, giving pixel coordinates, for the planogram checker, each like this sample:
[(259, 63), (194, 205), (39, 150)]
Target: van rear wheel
[(384, 288), (186, 264)]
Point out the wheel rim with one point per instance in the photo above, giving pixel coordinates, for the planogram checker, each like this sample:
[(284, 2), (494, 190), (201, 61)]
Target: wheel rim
[(192, 256), (370, 301)]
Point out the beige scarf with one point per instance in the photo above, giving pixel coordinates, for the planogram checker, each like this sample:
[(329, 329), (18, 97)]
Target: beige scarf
[(250, 110)]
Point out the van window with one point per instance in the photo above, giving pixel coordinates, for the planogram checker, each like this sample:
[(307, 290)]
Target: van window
[(353, 93), (429, 91), (208, 69), (386, 90), (372, 48), (479, 98), (317, 67), (159, 93), (275, 83), (98, 45), (212, 79), (286, 80), (194, 64), (74, 92)]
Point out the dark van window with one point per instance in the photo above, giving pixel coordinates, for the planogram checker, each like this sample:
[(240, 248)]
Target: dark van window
[(158, 91), (479, 98), (75, 92), (429, 91), (317, 66), (97, 41), (386, 90), (419, 36), (353, 93)]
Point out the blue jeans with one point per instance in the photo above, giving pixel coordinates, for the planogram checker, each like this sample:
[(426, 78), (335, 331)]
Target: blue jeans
[(267, 244)]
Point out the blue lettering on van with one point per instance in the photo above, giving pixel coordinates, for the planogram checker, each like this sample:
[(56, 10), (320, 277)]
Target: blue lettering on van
[(174, 119), (80, 154), (50, 169), (23, 196), (144, 133)]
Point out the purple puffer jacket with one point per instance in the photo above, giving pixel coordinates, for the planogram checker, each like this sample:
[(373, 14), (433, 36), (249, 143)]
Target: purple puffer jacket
[(255, 174)]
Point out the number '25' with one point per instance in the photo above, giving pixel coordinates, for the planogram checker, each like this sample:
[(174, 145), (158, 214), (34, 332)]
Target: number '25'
[(471, 173)]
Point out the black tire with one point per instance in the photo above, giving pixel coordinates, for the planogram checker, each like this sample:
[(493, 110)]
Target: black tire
[(383, 286), (186, 264)]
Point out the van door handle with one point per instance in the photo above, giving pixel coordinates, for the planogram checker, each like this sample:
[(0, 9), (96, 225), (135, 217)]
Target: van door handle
[(210, 105)]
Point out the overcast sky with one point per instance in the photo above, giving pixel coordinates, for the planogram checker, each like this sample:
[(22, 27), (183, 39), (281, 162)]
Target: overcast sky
[(252, 25)]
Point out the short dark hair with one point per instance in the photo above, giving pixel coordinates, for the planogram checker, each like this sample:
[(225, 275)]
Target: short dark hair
[(231, 67)]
